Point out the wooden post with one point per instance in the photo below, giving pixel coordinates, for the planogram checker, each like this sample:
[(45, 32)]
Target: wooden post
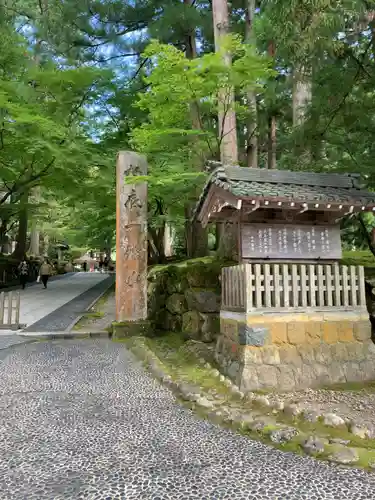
[(18, 307), (10, 308), (2, 308), (131, 239), (361, 284), (249, 304)]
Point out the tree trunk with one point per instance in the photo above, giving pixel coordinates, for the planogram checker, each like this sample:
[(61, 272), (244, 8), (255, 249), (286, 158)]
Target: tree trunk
[(34, 241), (301, 94), (226, 112), (272, 142), (4, 244), (45, 244), (157, 237), (302, 90), (34, 232), (252, 134), (366, 235), (226, 233), (168, 240), (228, 241), (272, 124), (20, 250), (196, 236)]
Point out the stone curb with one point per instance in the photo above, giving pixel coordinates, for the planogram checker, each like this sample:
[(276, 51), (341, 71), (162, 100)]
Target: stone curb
[(263, 426), (64, 335)]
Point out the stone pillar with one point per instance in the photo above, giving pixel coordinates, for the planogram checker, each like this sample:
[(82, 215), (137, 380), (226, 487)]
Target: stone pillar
[(131, 240)]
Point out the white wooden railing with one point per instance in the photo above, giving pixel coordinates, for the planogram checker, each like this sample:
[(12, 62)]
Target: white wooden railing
[(9, 310), (264, 287)]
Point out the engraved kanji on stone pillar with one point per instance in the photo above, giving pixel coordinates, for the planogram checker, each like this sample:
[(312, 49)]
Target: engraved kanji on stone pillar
[(131, 238)]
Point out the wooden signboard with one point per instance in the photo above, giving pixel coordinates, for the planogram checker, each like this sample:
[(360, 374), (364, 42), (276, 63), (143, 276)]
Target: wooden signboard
[(281, 241)]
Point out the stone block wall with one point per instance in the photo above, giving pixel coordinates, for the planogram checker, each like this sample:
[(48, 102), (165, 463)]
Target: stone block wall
[(186, 298), (295, 351)]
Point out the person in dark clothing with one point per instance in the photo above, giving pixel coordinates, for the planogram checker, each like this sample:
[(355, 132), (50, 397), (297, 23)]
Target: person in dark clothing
[(23, 270), (85, 266)]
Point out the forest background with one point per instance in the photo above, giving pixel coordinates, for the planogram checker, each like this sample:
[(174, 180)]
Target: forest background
[(82, 79)]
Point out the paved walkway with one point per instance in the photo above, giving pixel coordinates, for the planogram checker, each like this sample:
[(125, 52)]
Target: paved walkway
[(54, 309), (83, 420), (36, 302)]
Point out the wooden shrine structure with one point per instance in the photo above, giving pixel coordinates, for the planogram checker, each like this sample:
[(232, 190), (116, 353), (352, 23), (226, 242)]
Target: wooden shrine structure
[(288, 290), (283, 215)]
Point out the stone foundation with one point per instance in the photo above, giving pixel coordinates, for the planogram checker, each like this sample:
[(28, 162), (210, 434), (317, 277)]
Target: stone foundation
[(186, 299), (294, 351)]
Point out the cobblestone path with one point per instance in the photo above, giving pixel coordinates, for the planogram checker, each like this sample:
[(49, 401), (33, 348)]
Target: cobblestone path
[(82, 420)]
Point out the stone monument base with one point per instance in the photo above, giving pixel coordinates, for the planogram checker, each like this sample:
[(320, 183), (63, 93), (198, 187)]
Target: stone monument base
[(126, 329), (288, 351)]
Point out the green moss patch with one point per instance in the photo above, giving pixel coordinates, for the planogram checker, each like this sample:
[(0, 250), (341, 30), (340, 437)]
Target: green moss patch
[(359, 258), (368, 386), (182, 365)]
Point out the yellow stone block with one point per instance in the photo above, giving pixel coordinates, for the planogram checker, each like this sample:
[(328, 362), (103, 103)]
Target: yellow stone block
[(296, 333), (313, 332), (316, 317), (330, 332), (346, 331), (344, 316), (256, 319), (298, 318), (362, 330), (279, 333), (253, 319)]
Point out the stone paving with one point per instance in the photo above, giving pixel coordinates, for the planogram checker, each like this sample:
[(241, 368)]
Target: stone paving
[(9, 340), (83, 420)]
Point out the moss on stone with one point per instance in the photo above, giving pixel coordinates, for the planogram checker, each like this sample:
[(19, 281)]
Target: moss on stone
[(169, 287), (182, 365), (124, 329)]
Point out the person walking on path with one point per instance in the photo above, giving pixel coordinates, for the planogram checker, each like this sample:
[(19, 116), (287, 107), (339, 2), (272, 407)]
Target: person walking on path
[(23, 270), (84, 266), (45, 272)]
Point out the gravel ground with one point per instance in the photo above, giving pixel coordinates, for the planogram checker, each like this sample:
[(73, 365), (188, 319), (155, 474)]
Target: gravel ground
[(358, 406), (82, 419), (10, 340)]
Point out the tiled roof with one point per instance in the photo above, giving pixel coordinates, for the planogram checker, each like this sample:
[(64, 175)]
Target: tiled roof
[(296, 186)]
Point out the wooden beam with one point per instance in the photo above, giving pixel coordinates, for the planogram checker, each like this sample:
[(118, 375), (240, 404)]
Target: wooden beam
[(254, 207), (218, 199), (202, 216)]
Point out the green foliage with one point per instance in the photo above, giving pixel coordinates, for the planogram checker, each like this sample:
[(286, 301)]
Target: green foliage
[(359, 258), (176, 146), (62, 118)]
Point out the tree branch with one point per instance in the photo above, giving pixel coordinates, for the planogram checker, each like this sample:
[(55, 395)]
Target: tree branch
[(366, 234), (346, 95)]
